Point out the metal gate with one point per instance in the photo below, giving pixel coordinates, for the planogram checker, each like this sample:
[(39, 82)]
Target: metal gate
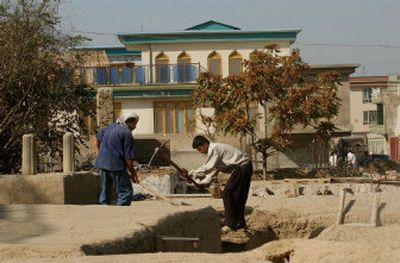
[(394, 148)]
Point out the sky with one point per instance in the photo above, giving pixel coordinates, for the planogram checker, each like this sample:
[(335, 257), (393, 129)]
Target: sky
[(364, 32)]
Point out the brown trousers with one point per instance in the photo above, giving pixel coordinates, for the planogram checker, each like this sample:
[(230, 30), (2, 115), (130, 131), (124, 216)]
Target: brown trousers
[(235, 196)]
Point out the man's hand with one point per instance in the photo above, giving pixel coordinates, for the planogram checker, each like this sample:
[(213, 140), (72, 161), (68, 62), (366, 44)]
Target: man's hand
[(185, 173), (132, 171), (135, 178)]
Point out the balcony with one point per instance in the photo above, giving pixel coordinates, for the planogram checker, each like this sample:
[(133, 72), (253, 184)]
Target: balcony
[(377, 128), (141, 75), (376, 96)]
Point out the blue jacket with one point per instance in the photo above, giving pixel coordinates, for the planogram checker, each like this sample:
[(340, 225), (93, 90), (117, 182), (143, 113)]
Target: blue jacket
[(116, 146)]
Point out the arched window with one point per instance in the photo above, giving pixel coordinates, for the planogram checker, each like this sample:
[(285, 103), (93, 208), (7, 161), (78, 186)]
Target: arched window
[(162, 68), (185, 71), (214, 64), (184, 58), (235, 63)]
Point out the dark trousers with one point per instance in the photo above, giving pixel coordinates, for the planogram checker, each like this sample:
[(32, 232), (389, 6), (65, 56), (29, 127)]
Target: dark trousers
[(235, 196), (123, 187)]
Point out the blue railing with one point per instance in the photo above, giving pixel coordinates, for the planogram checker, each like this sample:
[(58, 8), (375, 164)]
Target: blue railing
[(130, 74)]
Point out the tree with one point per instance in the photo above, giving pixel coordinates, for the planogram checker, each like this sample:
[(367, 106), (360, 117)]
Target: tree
[(290, 95), (40, 88)]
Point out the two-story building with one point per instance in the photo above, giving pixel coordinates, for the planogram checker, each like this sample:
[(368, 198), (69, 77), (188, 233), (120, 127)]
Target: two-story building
[(154, 74), (375, 113)]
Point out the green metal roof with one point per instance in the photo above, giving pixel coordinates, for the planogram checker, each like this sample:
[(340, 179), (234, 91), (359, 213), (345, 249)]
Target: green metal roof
[(207, 36), (112, 50), (122, 52), (212, 25)]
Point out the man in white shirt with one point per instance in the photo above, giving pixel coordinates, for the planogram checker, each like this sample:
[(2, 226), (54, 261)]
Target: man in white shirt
[(351, 158), (333, 159), (226, 158)]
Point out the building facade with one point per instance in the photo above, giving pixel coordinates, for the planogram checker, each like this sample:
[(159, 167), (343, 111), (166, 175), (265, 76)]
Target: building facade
[(375, 113), (154, 75)]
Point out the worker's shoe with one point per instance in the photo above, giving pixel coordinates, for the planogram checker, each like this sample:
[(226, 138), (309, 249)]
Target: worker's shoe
[(241, 225), (225, 230)]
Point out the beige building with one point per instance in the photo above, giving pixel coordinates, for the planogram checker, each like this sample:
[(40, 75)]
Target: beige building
[(375, 113), (154, 74)]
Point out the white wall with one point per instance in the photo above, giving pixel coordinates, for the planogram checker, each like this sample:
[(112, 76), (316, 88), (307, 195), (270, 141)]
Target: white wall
[(144, 108), (199, 52)]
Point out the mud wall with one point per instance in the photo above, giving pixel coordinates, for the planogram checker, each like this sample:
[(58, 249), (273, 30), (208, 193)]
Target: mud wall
[(50, 188)]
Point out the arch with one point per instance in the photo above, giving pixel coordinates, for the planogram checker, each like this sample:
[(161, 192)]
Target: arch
[(162, 68), (214, 62), (235, 63), (185, 71), (184, 58)]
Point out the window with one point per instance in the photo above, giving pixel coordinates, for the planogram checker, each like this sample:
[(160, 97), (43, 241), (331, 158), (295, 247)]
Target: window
[(121, 74), (380, 113), (367, 94), (370, 117), (255, 115), (100, 75), (173, 117), (110, 74), (185, 71), (235, 63), (162, 68), (214, 64)]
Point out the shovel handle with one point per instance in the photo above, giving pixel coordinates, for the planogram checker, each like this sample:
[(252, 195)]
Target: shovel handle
[(179, 169)]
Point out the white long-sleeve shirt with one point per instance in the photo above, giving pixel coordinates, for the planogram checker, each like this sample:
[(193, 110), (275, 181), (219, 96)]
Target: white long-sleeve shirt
[(220, 157), (333, 160)]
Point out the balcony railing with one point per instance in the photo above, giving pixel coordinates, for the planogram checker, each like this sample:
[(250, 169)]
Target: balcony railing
[(130, 74), (377, 128), (376, 97)]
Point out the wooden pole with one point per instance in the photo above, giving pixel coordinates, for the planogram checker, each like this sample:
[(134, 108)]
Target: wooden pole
[(340, 215), (375, 206)]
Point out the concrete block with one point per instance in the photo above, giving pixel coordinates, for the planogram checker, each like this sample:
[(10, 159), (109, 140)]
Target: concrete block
[(51, 188), (163, 183)]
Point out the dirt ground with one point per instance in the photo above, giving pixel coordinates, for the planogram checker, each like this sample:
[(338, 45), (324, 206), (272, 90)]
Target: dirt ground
[(299, 229)]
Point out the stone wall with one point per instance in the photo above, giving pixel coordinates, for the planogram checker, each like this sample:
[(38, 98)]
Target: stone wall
[(104, 107)]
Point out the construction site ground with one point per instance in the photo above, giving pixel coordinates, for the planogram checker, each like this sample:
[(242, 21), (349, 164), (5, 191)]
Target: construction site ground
[(301, 228)]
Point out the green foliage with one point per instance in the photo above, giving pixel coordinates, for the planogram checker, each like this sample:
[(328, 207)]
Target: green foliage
[(40, 88), (284, 86), (343, 169)]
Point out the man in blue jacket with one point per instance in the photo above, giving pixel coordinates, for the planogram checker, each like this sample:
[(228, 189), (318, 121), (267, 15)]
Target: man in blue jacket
[(116, 152)]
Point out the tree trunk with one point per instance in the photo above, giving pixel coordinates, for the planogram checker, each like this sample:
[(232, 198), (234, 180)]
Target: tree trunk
[(264, 163), (265, 156)]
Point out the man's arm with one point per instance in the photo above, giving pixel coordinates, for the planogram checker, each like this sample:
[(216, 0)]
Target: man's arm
[(132, 171), (204, 181)]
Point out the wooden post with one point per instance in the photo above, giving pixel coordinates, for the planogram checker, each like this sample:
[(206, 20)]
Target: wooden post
[(340, 215), (375, 206), (68, 153), (28, 154)]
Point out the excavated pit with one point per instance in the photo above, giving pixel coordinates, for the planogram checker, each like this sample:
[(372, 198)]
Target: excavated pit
[(199, 231), (264, 227), (191, 231)]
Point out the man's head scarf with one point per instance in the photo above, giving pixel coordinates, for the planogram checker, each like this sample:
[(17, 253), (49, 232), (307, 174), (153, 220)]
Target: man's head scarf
[(123, 118)]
